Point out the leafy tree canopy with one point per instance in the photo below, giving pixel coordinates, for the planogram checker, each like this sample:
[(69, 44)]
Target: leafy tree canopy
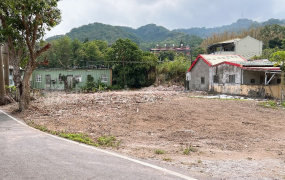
[(24, 23), (132, 67)]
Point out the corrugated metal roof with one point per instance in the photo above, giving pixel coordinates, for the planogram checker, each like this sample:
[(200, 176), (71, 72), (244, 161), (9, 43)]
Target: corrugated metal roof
[(213, 60), (229, 41), (263, 62), (217, 59)]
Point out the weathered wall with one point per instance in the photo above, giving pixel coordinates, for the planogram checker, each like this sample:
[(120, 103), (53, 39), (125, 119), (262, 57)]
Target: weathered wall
[(201, 69), (223, 71), (259, 91)]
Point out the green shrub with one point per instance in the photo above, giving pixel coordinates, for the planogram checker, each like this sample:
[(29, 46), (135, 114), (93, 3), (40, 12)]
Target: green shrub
[(115, 87), (159, 151), (173, 71), (272, 103), (109, 141), (79, 137), (190, 149), (91, 86)]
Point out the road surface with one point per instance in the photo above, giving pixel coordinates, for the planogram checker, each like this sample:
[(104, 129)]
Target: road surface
[(26, 153)]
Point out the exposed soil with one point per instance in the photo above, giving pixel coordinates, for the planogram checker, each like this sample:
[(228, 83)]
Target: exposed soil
[(233, 139)]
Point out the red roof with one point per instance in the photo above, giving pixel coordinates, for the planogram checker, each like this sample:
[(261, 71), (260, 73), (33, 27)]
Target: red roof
[(214, 60)]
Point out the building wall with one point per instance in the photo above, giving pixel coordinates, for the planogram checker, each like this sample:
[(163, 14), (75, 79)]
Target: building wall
[(201, 69), (257, 76), (248, 47), (258, 91), (56, 84), (223, 71)]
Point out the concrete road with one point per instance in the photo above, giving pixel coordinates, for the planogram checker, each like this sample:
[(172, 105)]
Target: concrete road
[(26, 153)]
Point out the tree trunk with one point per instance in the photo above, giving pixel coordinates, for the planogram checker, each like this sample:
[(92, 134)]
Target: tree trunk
[(17, 75), (24, 89), (24, 100), (6, 64)]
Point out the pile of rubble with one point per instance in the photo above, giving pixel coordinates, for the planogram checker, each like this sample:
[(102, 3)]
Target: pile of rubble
[(164, 88), (60, 107)]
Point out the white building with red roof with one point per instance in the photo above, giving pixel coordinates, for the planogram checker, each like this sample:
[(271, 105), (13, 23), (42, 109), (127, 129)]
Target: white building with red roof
[(233, 74)]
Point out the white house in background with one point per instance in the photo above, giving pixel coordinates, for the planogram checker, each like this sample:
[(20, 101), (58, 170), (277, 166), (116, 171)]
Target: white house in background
[(233, 74), (246, 47)]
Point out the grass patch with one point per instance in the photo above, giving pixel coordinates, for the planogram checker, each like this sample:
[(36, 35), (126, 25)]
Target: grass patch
[(167, 159), (108, 141), (283, 104), (79, 137), (41, 128), (105, 141), (190, 149), (270, 104), (159, 151)]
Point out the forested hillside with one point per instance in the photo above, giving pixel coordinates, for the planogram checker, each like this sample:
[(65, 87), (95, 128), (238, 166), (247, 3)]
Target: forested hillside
[(236, 27), (98, 31), (150, 35), (146, 37)]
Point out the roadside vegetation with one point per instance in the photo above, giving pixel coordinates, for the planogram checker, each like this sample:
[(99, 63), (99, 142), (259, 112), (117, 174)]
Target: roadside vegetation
[(273, 104), (190, 149), (102, 141), (159, 151)]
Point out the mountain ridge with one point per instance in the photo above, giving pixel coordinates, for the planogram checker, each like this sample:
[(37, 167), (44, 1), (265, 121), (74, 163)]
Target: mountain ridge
[(149, 35)]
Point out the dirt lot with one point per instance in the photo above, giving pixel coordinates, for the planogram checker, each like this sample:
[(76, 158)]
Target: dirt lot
[(227, 139)]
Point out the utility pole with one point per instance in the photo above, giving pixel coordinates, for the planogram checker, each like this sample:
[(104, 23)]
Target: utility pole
[(6, 64), (2, 84)]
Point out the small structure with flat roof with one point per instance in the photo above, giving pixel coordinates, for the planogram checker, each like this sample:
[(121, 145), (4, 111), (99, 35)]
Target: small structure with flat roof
[(247, 47)]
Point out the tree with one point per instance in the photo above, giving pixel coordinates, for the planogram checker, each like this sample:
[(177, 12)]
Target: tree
[(24, 23), (166, 55), (270, 32), (279, 59), (266, 53), (76, 46), (132, 65), (92, 52), (63, 49)]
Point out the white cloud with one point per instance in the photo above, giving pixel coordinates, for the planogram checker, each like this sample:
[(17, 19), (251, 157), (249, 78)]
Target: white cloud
[(171, 14)]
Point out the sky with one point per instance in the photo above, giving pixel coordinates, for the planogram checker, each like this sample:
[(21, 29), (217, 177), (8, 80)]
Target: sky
[(171, 14)]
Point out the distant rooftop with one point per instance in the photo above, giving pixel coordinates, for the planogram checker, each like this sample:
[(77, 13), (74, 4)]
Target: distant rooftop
[(228, 41)]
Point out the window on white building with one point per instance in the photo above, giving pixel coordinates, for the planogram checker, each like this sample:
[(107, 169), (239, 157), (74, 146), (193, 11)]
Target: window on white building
[(78, 78), (39, 78), (232, 79), (216, 79), (104, 78), (202, 80)]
